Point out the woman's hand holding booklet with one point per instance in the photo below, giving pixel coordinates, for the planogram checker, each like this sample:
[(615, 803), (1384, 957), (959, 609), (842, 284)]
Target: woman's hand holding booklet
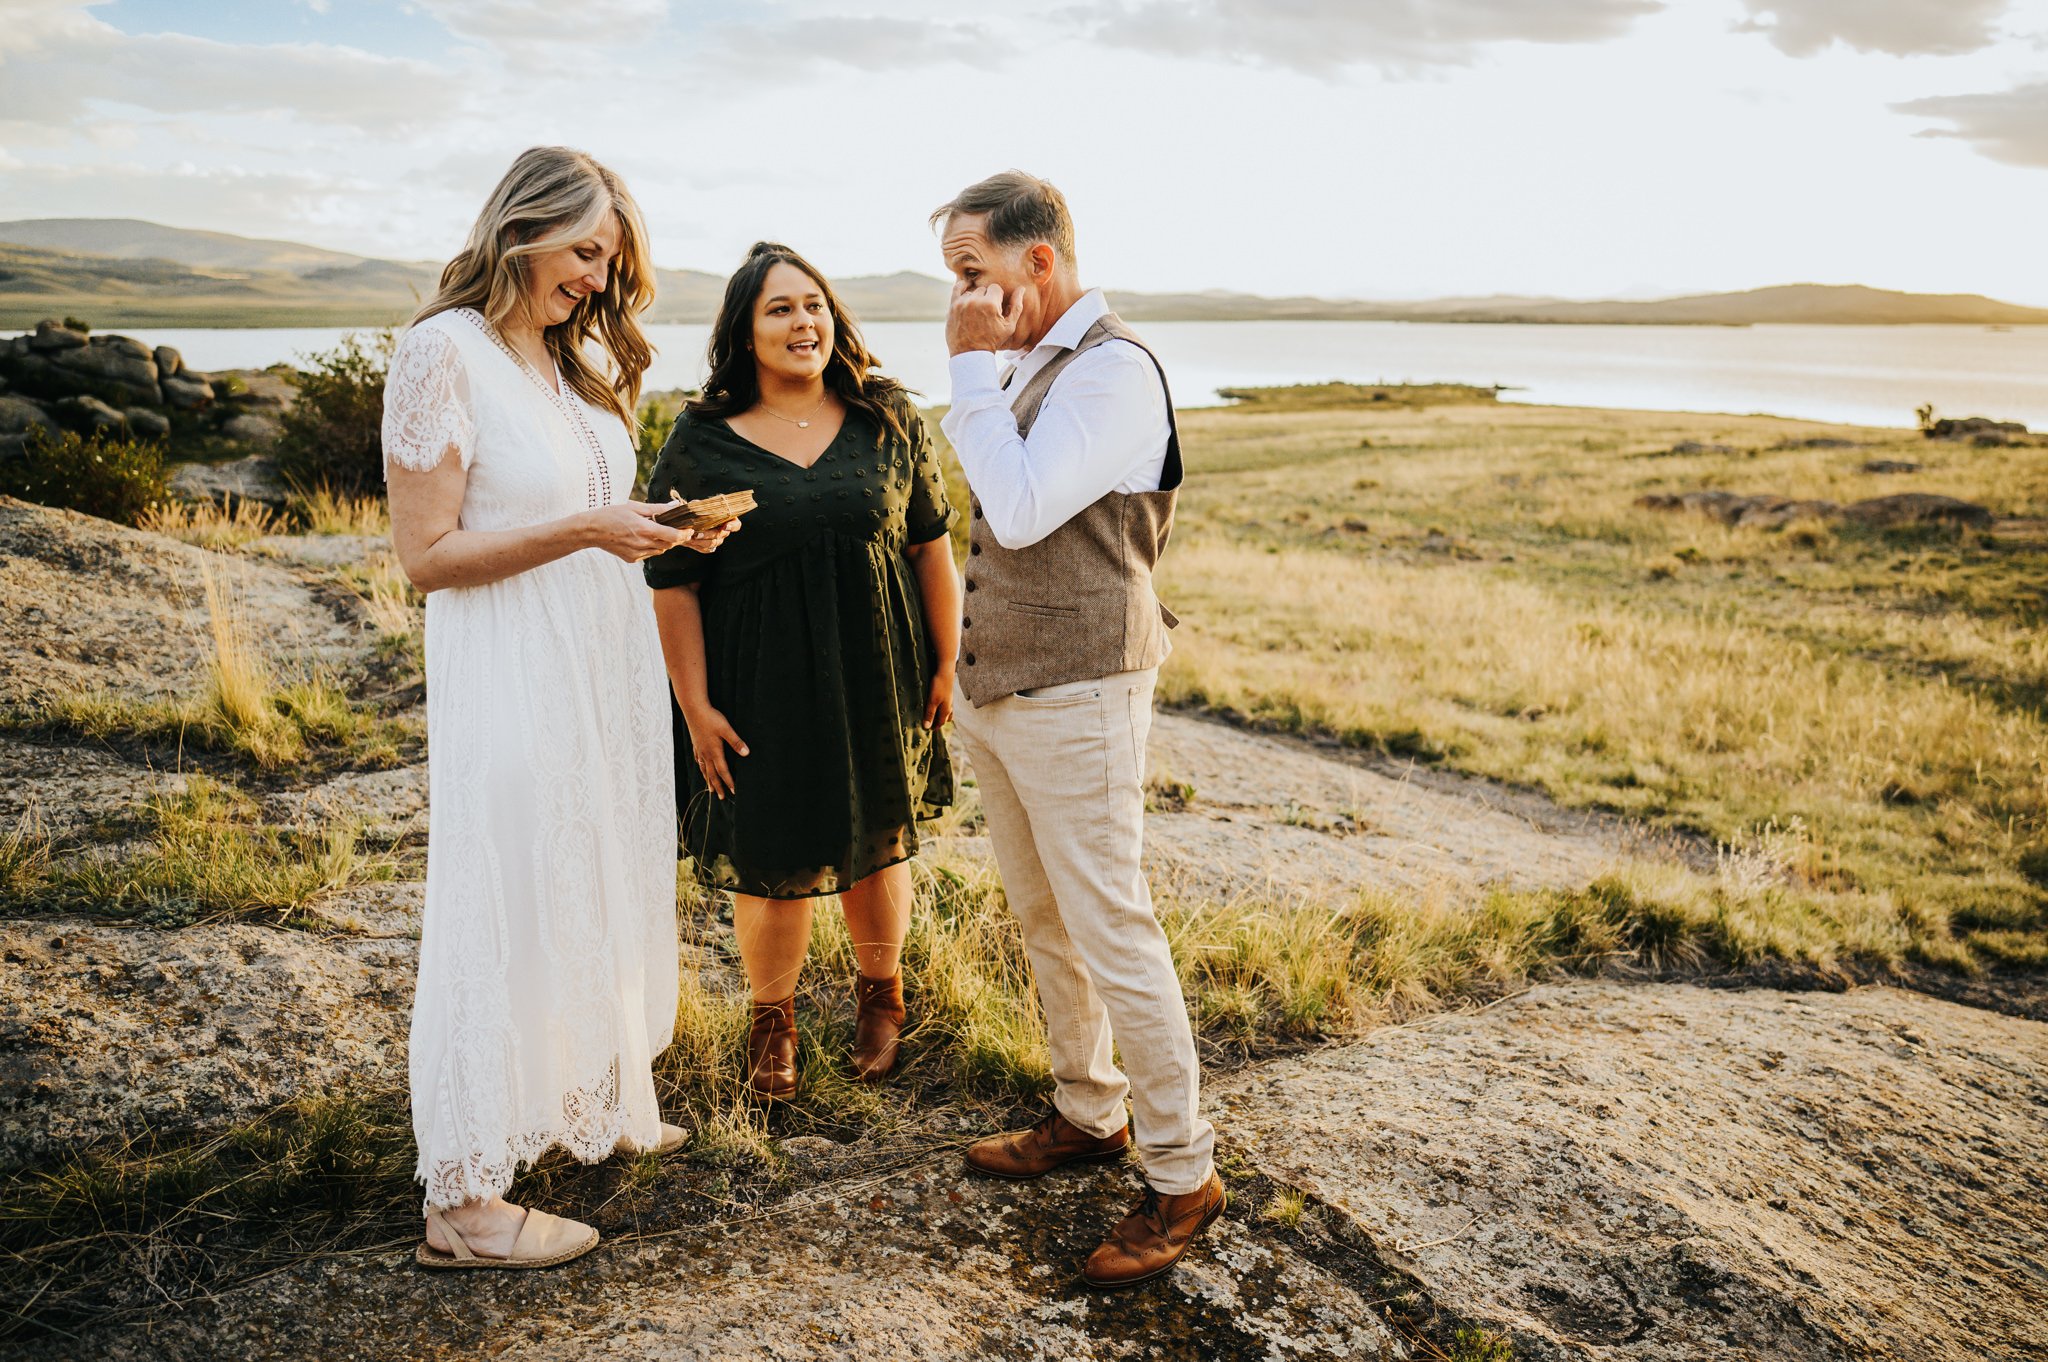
[(707, 513)]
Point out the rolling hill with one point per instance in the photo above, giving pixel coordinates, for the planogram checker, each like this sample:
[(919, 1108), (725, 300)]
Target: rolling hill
[(127, 272)]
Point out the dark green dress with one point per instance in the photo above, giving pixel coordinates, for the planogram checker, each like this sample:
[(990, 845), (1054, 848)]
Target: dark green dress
[(816, 651)]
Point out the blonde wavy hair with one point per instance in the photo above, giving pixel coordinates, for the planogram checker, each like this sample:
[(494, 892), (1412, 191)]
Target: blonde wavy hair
[(552, 198)]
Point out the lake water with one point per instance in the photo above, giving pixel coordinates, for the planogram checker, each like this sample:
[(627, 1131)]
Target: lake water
[(1868, 375)]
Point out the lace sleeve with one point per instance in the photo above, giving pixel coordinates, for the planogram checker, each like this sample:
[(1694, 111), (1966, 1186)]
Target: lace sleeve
[(426, 403)]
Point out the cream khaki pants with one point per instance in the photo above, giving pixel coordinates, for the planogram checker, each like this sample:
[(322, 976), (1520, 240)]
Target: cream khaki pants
[(1062, 773)]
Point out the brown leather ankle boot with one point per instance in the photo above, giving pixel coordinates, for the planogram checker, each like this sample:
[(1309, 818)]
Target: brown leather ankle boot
[(1152, 1238), (771, 1051), (878, 1024), (1053, 1143)]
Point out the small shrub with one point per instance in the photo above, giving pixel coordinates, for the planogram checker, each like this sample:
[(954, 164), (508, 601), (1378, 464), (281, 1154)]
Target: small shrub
[(332, 433), (109, 476), (82, 328), (658, 412)]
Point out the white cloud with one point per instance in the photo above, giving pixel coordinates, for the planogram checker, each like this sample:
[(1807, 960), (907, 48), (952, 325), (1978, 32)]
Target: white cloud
[(185, 194), (1320, 36), (865, 42), (535, 37), (2007, 125), (1805, 28), (57, 62)]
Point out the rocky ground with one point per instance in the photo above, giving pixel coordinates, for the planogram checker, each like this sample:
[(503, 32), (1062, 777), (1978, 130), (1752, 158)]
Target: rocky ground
[(1587, 1170), (1592, 1170)]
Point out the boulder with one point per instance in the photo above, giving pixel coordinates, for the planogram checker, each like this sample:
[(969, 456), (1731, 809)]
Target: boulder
[(168, 361), (86, 414), (1736, 508), (1766, 511), (256, 388), (1964, 427), (251, 479), (111, 367), (252, 428), (1779, 513), (111, 1030), (1662, 1173), (147, 423), (1917, 508), (18, 416), (54, 335), (127, 347), (187, 391), (1891, 466)]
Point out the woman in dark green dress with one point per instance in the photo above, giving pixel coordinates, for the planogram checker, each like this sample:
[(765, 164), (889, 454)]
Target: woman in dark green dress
[(812, 657)]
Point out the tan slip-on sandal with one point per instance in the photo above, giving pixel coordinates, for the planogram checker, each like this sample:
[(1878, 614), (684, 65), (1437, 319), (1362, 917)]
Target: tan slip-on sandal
[(544, 1240), (672, 1139)]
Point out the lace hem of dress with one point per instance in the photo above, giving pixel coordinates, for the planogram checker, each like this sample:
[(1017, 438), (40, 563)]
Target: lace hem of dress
[(594, 1122)]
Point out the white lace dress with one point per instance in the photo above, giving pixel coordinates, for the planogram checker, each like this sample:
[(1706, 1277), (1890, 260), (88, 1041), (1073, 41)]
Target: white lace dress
[(547, 980)]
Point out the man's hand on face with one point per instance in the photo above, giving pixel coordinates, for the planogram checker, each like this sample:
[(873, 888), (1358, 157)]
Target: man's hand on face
[(981, 318)]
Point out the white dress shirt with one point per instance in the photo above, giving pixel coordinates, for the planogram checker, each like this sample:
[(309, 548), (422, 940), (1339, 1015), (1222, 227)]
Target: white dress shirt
[(1103, 428)]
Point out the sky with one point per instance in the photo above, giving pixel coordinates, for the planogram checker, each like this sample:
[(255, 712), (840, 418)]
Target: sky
[(1343, 148)]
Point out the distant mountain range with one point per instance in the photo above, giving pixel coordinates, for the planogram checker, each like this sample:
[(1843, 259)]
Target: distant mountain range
[(126, 272)]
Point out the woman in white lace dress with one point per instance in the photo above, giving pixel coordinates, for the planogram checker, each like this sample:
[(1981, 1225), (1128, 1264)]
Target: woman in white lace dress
[(547, 980)]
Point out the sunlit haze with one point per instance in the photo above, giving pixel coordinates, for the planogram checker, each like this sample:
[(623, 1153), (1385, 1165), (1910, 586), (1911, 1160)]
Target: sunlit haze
[(1579, 148)]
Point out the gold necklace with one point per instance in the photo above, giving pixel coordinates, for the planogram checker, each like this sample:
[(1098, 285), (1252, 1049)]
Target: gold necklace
[(804, 424)]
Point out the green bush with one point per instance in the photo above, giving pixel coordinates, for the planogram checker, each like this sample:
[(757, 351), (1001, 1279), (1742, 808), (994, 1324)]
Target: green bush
[(658, 412), (331, 435), (106, 475)]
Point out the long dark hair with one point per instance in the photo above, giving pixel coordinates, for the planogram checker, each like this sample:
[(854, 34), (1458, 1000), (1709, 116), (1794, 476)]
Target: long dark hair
[(852, 373)]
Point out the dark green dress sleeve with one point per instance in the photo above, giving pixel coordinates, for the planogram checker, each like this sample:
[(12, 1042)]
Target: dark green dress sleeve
[(928, 514), (674, 474)]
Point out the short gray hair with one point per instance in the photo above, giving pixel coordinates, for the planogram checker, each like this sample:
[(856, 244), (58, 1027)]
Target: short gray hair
[(1022, 211)]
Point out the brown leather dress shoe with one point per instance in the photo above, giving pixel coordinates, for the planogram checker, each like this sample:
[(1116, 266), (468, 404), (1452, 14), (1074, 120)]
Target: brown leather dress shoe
[(771, 1051), (878, 1024), (1052, 1142), (1154, 1235)]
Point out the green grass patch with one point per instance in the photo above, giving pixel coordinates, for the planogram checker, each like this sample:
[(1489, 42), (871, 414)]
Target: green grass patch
[(200, 856)]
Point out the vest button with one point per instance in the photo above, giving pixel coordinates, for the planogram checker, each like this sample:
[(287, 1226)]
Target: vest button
[(970, 584), (977, 510), (969, 659), (974, 550), (966, 623)]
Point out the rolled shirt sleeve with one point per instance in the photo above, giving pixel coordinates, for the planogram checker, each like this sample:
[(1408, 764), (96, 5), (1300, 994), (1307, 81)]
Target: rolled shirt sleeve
[(1103, 427)]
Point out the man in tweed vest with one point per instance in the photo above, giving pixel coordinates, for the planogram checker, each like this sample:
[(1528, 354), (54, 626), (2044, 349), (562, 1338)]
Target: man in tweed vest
[(1064, 425)]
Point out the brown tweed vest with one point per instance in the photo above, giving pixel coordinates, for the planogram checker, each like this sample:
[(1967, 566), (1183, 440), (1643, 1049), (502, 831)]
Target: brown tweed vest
[(1078, 604)]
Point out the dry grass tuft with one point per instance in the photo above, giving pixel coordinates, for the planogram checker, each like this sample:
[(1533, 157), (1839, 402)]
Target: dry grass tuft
[(227, 526), (323, 510)]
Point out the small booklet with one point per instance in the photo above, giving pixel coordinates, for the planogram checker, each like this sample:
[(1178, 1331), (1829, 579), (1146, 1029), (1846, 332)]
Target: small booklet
[(707, 513)]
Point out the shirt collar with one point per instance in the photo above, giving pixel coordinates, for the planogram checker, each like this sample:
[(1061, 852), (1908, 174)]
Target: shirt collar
[(1073, 324)]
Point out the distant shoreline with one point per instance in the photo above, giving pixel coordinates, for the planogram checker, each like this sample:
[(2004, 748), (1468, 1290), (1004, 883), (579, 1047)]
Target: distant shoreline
[(16, 318)]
